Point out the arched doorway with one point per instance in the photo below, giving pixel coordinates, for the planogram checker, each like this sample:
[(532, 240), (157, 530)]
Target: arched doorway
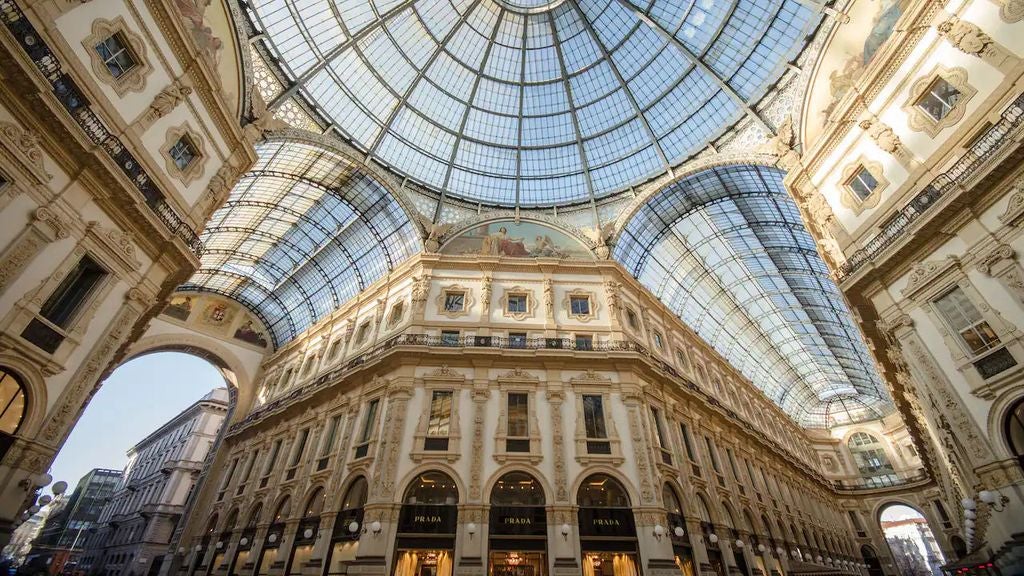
[(911, 542), (958, 545), (12, 407), (607, 529), (1013, 430), (347, 527), (517, 526), (737, 544), (305, 536), (872, 561), (425, 542), (221, 543), (711, 540), (245, 542), (677, 532), (275, 535)]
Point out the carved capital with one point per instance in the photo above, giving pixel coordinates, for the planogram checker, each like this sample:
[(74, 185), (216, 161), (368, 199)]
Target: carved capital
[(993, 257)]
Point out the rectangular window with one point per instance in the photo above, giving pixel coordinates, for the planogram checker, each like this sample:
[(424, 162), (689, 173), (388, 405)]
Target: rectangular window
[(450, 338), (364, 330), (271, 462), (634, 323), (517, 303), (939, 99), (327, 446), (686, 441), (666, 453), (183, 152), (579, 305), (862, 184), (61, 307), (440, 413), (518, 414), (593, 416), (584, 342), (115, 55), (396, 314), (454, 301), (681, 359), (300, 448), (658, 343), (369, 421), (966, 321), (517, 339), (712, 454)]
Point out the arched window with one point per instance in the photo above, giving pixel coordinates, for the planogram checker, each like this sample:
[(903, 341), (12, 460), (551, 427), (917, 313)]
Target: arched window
[(703, 510), (232, 520), (1014, 431), (869, 455), (432, 488), (254, 516), (12, 402), (355, 496), (284, 510), (871, 559), (602, 491), (910, 539), (672, 504), (517, 489), (315, 504), (211, 525)]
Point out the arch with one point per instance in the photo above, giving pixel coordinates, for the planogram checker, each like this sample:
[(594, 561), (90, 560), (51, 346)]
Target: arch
[(958, 545), (685, 245), (1013, 431), (602, 491), (13, 401), (557, 224), (307, 267), (283, 509), (548, 492), (314, 502), (431, 487), (211, 524), (231, 520), (236, 374), (704, 512), (31, 379), (254, 515), (909, 543), (767, 527), (355, 494), (517, 488), (1001, 409), (631, 492), (670, 499), (442, 467)]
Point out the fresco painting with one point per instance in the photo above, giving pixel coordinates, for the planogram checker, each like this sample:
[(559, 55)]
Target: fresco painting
[(522, 239)]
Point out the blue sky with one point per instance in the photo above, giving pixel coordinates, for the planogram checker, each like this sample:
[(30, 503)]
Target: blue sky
[(134, 401)]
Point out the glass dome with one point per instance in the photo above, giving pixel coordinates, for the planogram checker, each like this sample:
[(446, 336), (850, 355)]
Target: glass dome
[(531, 102)]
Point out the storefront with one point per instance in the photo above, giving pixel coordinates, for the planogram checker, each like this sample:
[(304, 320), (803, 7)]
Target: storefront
[(347, 528), (269, 551), (305, 535), (607, 529), (243, 551), (517, 527), (427, 523), (677, 533)]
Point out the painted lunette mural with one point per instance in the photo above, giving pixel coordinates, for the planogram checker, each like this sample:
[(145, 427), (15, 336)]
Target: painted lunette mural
[(523, 239)]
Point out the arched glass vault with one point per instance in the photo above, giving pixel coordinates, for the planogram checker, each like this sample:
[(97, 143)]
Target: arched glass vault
[(726, 250), (300, 234), (531, 102)]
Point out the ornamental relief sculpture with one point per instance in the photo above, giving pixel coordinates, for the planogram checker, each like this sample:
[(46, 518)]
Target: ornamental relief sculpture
[(24, 146), (555, 399)]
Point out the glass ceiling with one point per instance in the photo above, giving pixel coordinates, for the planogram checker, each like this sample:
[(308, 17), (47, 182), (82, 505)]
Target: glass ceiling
[(302, 232), (531, 102), (726, 250)]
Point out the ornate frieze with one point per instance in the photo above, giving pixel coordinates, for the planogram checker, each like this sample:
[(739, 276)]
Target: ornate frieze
[(24, 146)]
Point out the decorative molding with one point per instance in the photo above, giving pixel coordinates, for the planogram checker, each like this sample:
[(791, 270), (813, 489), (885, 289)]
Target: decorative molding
[(519, 375), (134, 79), (445, 373), (118, 242), (531, 303), (163, 104), (1011, 10), (920, 120), (969, 38), (884, 137), (999, 253), (467, 302), (24, 145), (195, 168), (923, 273), (590, 378), (555, 400), (578, 293), (848, 198)]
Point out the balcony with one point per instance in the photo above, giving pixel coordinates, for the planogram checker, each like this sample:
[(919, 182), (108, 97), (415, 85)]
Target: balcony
[(156, 508), (66, 91), (968, 171), (882, 483), (184, 465)]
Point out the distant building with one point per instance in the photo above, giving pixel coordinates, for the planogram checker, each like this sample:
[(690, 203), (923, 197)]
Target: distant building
[(136, 525), (58, 546), (21, 540)]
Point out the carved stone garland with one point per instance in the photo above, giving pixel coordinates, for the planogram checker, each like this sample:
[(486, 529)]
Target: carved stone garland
[(555, 399)]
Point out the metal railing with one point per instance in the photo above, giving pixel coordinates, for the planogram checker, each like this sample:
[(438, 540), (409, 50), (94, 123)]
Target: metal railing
[(75, 103), (877, 482), (982, 151)]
